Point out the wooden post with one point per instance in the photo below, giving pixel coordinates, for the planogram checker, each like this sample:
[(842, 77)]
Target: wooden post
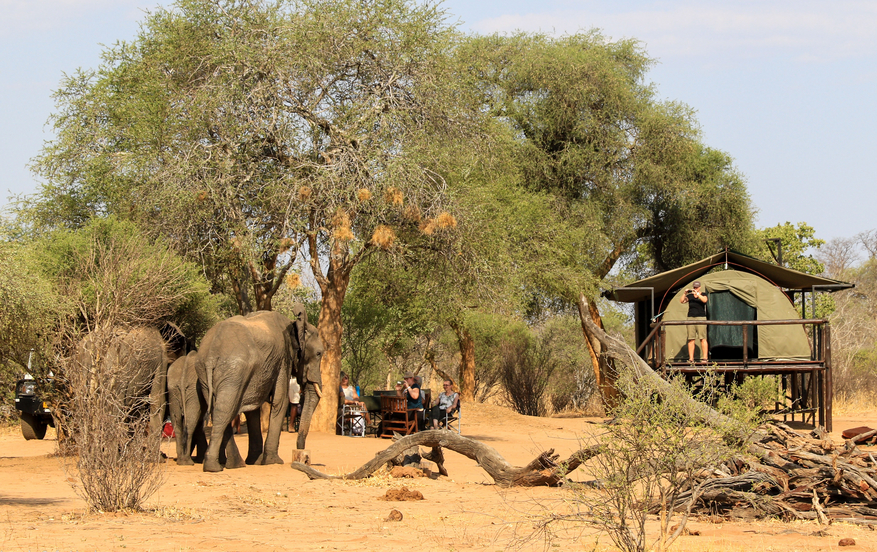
[(829, 386)]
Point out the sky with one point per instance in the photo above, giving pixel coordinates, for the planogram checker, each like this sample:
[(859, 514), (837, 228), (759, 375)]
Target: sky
[(787, 88)]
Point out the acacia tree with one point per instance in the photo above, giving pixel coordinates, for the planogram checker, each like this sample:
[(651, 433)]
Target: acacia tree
[(615, 161), (248, 132)]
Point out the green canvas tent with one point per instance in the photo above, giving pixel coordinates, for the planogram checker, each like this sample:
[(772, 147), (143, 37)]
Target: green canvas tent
[(737, 295), (656, 294)]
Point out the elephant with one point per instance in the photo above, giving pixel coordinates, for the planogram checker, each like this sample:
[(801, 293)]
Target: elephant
[(243, 362), (187, 405), (134, 365)]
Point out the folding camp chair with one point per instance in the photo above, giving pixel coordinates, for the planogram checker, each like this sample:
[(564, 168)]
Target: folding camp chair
[(452, 419), (352, 420)]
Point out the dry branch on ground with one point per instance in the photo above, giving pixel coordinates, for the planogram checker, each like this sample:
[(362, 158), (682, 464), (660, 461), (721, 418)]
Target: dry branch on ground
[(544, 470)]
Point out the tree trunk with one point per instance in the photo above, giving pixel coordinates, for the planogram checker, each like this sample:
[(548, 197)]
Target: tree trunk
[(467, 362), (605, 376), (331, 328)]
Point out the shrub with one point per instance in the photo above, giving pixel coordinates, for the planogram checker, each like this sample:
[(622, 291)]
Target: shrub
[(649, 455), (117, 463)]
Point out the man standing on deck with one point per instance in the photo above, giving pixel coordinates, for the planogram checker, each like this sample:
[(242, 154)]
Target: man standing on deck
[(696, 311)]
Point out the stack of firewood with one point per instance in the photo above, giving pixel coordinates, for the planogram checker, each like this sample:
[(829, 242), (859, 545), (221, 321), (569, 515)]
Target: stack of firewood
[(793, 476)]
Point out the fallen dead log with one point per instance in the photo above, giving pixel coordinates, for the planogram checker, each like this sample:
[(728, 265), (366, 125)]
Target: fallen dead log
[(544, 470)]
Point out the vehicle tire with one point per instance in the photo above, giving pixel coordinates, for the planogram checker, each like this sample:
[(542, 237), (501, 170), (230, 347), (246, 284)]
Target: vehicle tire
[(32, 428)]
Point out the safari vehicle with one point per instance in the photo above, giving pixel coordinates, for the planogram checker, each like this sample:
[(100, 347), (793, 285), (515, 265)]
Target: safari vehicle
[(35, 414)]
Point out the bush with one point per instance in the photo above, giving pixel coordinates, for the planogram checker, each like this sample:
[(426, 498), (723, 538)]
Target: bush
[(117, 280), (31, 312), (525, 368), (648, 457), (117, 463)]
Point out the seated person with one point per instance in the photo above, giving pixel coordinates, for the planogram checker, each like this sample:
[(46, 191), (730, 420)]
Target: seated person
[(348, 395), (414, 398), (448, 402)]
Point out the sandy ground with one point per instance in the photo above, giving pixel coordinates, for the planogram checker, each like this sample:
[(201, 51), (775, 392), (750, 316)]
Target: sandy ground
[(277, 508)]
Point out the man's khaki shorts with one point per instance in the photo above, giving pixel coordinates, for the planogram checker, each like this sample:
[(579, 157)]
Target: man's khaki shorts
[(698, 331)]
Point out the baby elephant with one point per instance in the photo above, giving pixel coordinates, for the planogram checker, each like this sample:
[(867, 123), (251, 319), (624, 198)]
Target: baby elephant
[(187, 407)]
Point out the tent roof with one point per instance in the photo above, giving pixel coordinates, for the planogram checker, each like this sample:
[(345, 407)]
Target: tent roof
[(783, 277)]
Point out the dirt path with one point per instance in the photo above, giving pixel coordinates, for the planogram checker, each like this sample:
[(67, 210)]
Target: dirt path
[(276, 508)]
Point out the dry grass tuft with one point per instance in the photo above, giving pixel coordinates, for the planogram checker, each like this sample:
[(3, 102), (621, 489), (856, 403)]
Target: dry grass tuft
[(412, 213), (364, 194), (293, 280), (859, 403), (286, 244), (175, 513), (343, 233)]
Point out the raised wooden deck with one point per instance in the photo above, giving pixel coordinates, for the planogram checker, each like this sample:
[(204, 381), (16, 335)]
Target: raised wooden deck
[(806, 383)]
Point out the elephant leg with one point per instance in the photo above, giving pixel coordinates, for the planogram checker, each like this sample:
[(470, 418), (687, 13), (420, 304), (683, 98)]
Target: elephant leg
[(219, 439), (233, 459), (180, 423), (254, 433), (226, 402), (199, 438), (271, 454), (311, 400), (199, 442), (157, 404), (216, 446)]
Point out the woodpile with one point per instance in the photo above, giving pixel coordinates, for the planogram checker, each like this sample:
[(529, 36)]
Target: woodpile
[(791, 475)]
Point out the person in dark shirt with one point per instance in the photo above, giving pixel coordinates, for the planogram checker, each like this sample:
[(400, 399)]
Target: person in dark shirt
[(414, 397), (696, 311)]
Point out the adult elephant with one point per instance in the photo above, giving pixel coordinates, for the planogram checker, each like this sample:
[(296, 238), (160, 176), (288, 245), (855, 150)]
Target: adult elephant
[(243, 362), (187, 405), (134, 364)]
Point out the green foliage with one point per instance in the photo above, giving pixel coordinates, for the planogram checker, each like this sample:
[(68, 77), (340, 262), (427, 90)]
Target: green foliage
[(797, 241), (751, 401), (113, 274), (647, 463), (574, 381), (31, 311), (32, 307), (621, 168)]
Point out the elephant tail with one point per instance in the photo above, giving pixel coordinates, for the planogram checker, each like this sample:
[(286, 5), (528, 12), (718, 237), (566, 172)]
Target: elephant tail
[(209, 388)]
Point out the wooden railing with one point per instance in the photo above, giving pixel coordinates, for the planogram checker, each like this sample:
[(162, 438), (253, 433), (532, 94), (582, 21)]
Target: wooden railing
[(807, 382)]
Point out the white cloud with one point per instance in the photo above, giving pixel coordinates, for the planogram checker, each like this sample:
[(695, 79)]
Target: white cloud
[(807, 31)]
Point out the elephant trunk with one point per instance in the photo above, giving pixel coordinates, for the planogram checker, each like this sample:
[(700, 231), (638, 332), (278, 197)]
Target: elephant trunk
[(311, 397)]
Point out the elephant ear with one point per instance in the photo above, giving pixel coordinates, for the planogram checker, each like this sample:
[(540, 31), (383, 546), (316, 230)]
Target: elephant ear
[(301, 324), (299, 340)]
